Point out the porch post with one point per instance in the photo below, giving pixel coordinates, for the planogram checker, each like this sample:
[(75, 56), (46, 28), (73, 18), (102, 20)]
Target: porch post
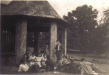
[(65, 41), (53, 38), (20, 40)]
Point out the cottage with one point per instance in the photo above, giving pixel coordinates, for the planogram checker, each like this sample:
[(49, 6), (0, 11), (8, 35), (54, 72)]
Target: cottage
[(31, 24)]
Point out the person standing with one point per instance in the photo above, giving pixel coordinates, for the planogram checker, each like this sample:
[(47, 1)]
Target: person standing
[(58, 50)]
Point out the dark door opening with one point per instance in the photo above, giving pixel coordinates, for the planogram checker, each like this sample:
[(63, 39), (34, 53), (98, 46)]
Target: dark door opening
[(38, 39)]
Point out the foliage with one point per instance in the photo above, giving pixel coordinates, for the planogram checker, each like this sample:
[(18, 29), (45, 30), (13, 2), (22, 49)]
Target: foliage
[(83, 24), (105, 31), (84, 17), (106, 16)]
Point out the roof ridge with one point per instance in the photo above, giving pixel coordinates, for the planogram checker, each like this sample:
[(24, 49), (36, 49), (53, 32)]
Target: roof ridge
[(9, 1), (30, 8)]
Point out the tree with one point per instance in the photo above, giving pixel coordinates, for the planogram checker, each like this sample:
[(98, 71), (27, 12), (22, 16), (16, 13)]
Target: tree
[(84, 16), (83, 22), (101, 35), (105, 30), (106, 16)]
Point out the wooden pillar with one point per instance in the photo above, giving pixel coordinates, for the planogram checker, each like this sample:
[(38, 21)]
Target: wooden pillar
[(20, 40), (65, 41), (53, 38)]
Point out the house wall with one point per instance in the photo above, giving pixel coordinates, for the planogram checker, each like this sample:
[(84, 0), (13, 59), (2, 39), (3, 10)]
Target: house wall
[(8, 41)]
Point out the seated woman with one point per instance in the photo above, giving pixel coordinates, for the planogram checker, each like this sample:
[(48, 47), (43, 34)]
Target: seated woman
[(26, 60)]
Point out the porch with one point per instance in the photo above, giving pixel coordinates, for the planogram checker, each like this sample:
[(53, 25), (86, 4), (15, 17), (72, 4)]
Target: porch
[(20, 32)]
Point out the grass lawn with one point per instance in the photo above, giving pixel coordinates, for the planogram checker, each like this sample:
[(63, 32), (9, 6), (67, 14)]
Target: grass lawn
[(102, 63)]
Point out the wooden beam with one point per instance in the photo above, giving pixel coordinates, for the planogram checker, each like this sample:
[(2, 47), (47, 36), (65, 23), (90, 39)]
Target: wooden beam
[(20, 40), (53, 38)]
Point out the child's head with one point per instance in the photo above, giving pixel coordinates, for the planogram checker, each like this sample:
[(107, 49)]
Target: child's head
[(82, 59), (30, 51)]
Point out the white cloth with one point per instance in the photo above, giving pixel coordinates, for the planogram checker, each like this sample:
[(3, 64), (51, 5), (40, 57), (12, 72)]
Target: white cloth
[(23, 68), (33, 60)]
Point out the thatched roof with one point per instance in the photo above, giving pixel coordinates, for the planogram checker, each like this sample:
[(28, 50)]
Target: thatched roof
[(29, 8)]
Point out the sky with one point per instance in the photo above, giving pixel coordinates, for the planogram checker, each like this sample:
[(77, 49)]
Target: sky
[(64, 6)]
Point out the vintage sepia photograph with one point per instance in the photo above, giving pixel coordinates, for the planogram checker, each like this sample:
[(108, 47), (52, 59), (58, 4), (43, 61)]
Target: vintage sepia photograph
[(59, 37)]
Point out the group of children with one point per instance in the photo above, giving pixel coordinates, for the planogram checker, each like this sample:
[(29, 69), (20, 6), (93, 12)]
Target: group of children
[(30, 62)]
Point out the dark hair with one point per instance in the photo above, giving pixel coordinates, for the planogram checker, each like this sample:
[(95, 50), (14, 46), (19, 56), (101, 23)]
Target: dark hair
[(82, 59)]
